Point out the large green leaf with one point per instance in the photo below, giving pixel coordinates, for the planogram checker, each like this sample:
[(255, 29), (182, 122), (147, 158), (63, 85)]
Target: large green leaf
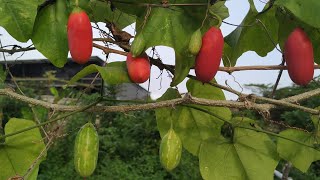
[(287, 23), (252, 36), (300, 156), (19, 152), (306, 11), (113, 73), (100, 11), (172, 26), (18, 17), (248, 155), (190, 124), (50, 33)]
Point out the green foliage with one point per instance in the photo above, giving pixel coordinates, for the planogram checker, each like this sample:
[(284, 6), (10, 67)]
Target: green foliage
[(18, 17), (113, 73), (300, 156), (172, 27), (253, 36), (191, 125), (306, 11), (100, 11), (50, 33), (129, 147), (238, 156), (18, 153)]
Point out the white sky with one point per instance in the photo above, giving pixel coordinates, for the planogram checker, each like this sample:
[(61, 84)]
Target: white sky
[(237, 10)]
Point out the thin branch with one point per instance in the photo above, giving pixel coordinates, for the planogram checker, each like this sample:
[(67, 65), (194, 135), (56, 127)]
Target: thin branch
[(187, 99), (16, 49), (109, 50)]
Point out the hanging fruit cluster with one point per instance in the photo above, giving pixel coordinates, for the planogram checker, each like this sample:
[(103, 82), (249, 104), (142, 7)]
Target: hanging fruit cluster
[(138, 63), (208, 51)]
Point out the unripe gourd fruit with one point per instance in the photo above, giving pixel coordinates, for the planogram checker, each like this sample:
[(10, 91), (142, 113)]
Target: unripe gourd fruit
[(86, 150), (79, 36), (138, 45), (195, 42), (209, 57), (138, 68), (170, 150), (298, 54)]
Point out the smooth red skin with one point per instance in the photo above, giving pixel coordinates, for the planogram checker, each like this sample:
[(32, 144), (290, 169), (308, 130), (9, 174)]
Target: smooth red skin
[(209, 57), (80, 36), (138, 68), (298, 54)]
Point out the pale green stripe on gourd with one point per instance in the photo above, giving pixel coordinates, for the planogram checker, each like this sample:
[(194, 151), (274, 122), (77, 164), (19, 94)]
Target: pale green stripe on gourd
[(86, 150), (170, 150), (195, 42)]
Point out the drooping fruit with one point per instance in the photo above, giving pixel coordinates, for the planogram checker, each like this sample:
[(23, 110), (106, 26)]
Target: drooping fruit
[(209, 57), (195, 42), (86, 150), (138, 68), (170, 150), (79, 36), (298, 54), (138, 45)]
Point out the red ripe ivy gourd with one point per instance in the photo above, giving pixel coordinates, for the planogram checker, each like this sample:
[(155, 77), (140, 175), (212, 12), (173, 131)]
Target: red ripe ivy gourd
[(298, 54), (138, 68), (209, 56), (80, 36)]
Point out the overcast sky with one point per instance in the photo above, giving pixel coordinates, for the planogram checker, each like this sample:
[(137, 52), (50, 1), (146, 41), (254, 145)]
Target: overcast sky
[(237, 10)]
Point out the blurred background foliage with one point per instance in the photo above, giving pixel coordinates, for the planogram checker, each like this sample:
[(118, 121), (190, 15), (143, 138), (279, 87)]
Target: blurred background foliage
[(129, 142)]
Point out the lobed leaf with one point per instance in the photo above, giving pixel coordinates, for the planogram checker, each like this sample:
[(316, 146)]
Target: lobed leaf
[(251, 35), (300, 156)]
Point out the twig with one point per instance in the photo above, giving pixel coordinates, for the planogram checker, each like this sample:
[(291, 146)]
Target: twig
[(15, 49), (170, 103)]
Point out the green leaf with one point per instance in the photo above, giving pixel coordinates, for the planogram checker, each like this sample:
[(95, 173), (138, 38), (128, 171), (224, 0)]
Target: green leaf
[(249, 155), (113, 73), (190, 124), (170, 27), (18, 17), (288, 23), (50, 33), (316, 122), (300, 156), (251, 36), (100, 11), (20, 151), (306, 11)]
